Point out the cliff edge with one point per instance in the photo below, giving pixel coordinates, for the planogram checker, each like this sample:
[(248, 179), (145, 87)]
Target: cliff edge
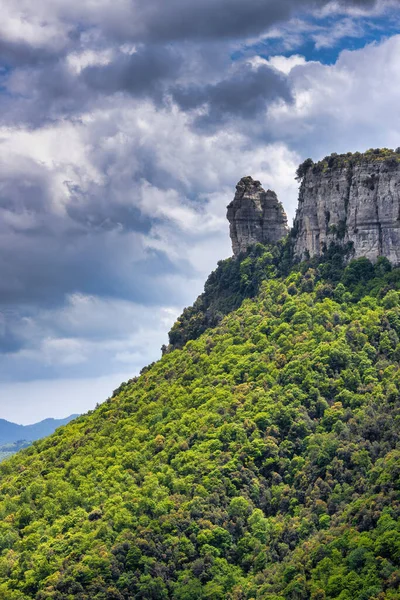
[(351, 200)]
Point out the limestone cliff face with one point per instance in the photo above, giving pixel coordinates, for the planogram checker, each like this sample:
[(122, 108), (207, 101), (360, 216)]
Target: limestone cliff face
[(255, 216), (355, 200)]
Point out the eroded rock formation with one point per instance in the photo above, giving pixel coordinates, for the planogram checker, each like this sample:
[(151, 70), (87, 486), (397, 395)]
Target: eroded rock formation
[(352, 200), (255, 215), (355, 200)]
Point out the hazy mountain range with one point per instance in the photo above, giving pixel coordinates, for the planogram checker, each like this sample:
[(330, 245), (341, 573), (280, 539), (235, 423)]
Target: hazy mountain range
[(13, 437)]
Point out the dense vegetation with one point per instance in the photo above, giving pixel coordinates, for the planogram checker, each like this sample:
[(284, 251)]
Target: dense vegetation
[(261, 461), (390, 157), (227, 287)]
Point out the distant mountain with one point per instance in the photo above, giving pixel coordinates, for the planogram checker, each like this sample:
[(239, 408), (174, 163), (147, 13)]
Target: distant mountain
[(7, 450), (11, 432)]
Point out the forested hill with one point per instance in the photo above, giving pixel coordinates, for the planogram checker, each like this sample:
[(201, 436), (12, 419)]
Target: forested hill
[(261, 461), (232, 282)]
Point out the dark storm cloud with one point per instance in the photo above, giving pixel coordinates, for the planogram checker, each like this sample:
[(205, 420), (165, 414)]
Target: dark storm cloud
[(98, 263), (14, 54), (10, 341), (42, 93), (140, 73), (245, 93), (53, 91), (24, 190), (90, 245), (93, 209), (216, 19), (151, 72), (86, 238), (74, 24), (48, 89)]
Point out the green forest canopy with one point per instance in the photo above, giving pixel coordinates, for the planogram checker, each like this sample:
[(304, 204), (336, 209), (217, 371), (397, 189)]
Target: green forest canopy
[(261, 461)]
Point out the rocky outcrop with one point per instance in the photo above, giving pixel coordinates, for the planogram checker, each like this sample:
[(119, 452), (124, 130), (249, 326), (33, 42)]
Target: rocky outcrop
[(255, 215), (350, 199)]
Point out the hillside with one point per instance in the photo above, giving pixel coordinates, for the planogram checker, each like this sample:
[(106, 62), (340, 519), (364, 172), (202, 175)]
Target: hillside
[(261, 461), (227, 287), (11, 432)]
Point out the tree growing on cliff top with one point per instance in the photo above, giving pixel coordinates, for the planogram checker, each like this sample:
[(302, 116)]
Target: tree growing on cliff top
[(303, 168)]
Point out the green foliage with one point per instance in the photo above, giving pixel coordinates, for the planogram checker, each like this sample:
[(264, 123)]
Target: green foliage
[(227, 287), (261, 461), (304, 168), (391, 158)]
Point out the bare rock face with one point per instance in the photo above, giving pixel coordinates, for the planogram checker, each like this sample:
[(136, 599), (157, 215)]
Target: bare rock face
[(255, 216), (357, 202)]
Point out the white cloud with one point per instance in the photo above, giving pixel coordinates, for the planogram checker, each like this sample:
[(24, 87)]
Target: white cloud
[(335, 7), (88, 58), (48, 22), (285, 64), (16, 26), (351, 105), (328, 37)]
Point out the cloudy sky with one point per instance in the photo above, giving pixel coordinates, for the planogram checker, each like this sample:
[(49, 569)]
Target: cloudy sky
[(124, 127)]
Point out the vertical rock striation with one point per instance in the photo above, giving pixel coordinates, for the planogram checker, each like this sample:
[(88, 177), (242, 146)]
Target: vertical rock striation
[(351, 198), (255, 216)]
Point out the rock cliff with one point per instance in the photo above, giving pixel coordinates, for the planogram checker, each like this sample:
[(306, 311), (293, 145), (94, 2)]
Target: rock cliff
[(351, 198), (255, 215)]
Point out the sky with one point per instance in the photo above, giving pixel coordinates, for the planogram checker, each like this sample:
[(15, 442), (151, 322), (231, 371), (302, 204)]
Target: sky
[(124, 128)]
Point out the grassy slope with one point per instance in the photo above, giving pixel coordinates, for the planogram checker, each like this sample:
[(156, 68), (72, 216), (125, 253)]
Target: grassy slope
[(261, 461)]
